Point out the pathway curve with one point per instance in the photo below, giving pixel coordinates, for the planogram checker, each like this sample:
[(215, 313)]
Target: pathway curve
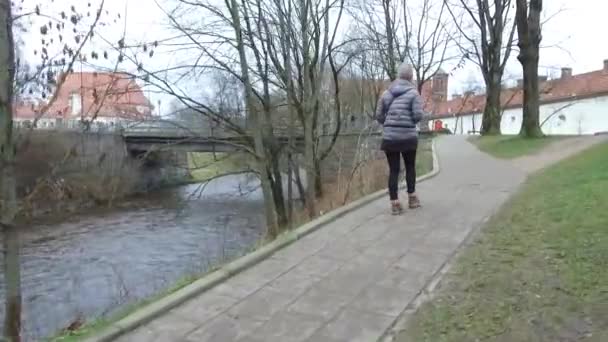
[(350, 280), (557, 151)]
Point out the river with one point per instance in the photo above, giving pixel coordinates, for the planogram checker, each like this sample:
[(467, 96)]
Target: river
[(92, 265)]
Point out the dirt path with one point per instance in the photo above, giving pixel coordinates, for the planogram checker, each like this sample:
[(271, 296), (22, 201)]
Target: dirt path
[(557, 151)]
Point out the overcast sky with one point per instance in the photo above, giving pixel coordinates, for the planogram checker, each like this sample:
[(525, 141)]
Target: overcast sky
[(575, 36)]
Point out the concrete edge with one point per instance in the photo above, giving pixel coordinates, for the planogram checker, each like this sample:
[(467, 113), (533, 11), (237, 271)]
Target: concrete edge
[(169, 302)]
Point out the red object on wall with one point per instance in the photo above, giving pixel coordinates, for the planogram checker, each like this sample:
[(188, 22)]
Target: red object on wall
[(438, 125)]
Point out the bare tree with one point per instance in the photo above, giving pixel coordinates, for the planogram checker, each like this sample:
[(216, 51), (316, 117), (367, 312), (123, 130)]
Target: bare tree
[(420, 33), (488, 35), (381, 25), (8, 204), (430, 38), (529, 32), (47, 78)]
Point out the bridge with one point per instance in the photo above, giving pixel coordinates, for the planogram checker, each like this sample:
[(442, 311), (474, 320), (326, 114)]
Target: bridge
[(162, 135), (166, 135)]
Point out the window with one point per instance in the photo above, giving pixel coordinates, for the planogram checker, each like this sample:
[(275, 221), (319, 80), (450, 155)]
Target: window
[(75, 103)]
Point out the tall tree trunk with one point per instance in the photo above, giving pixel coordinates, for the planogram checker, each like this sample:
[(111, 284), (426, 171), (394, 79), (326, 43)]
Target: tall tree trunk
[(309, 119), (310, 162), (299, 184), (289, 190), (529, 31), (490, 124), (285, 22), (279, 197), (390, 37), (256, 123), (8, 186), (318, 178)]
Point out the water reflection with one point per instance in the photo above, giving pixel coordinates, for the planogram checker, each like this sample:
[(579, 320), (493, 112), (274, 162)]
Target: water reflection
[(91, 265)]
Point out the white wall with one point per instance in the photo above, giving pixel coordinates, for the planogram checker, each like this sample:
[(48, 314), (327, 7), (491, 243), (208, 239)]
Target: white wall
[(588, 116)]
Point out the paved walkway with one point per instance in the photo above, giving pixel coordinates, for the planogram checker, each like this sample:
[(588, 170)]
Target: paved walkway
[(556, 151), (350, 280)]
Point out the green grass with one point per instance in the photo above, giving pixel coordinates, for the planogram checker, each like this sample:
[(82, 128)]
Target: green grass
[(509, 146), (538, 271), (204, 166), (424, 157)]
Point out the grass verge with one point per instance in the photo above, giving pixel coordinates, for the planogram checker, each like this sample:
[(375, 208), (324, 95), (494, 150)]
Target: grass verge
[(538, 270), (93, 327), (204, 166), (510, 146), (424, 158)]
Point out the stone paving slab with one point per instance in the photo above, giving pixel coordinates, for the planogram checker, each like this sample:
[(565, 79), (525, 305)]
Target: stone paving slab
[(350, 280)]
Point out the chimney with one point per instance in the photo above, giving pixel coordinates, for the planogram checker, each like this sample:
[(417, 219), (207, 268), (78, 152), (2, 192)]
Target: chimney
[(566, 72), (606, 65)]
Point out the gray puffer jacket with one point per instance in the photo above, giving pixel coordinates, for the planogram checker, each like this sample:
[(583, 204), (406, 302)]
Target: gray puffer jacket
[(399, 110)]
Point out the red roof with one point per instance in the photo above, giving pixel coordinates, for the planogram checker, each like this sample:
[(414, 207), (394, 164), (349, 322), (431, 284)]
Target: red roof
[(102, 95), (579, 86)]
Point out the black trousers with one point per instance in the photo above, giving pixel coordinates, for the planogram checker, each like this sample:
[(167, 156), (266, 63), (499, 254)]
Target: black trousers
[(394, 164)]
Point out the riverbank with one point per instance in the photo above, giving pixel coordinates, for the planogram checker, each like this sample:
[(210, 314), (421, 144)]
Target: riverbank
[(64, 173), (537, 272), (365, 178)]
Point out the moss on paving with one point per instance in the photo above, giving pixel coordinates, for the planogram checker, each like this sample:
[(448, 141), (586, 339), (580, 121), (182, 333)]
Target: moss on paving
[(538, 271), (510, 146)]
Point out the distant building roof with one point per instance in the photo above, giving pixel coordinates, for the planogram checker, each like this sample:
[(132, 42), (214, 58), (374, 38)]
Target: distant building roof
[(101, 94), (566, 88)]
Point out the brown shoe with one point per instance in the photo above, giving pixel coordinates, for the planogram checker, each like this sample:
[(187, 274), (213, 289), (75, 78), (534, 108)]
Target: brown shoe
[(414, 202), (396, 208)]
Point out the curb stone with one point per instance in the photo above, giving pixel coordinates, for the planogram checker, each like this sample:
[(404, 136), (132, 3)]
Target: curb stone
[(169, 302)]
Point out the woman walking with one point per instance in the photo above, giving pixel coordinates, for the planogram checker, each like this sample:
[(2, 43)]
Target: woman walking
[(399, 110)]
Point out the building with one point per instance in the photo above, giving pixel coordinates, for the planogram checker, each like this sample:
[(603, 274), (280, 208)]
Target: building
[(105, 99), (570, 105)]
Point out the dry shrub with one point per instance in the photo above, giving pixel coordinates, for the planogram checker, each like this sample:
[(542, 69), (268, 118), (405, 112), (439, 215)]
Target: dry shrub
[(363, 179), (58, 169), (350, 184)]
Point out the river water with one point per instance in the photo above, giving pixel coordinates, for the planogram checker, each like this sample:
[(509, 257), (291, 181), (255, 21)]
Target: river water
[(93, 265)]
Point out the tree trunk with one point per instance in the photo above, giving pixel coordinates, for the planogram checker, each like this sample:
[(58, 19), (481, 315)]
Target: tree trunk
[(530, 126), (529, 31), (289, 190), (8, 186), (390, 37), (490, 124), (298, 178), (311, 174), (12, 276), (257, 126), (318, 179), (279, 198)]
